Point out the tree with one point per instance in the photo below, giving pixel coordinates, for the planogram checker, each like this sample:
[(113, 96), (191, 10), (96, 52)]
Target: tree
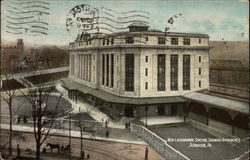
[(84, 127), (9, 91), (43, 118)]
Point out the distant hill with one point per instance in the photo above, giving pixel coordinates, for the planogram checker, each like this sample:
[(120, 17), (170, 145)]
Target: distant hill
[(230, 50)]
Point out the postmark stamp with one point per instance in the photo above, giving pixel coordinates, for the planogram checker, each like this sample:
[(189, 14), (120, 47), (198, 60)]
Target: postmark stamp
[(82, 18)]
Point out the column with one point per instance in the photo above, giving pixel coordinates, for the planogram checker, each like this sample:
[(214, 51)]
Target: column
[(233, 115), (90, 66), (192, 72), (80, 60), (82, 67), (167, 72), (207, 113), (85, 66), (77, 67)]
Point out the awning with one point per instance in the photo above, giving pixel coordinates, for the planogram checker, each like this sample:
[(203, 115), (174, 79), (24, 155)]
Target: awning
[(219, 101), (70, 84)]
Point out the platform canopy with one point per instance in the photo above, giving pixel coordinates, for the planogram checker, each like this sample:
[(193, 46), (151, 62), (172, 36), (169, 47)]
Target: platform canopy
[(70, 84), (220, 102)]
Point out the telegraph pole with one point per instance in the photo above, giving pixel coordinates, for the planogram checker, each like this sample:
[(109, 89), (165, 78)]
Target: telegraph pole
[(146, 110), (70, 133)]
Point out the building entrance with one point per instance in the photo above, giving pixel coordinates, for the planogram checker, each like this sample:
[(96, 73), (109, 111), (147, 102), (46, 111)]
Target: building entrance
[(173, 109), (129, 112), (161, 110)]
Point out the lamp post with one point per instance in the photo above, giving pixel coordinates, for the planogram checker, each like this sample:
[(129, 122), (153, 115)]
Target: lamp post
[(81, 130), (146, 110), (70, 132)]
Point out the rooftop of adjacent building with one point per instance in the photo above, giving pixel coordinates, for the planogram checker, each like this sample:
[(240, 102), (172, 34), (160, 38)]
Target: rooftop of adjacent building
[(13, 45)]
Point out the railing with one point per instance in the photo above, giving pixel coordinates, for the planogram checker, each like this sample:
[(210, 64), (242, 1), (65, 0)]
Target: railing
[(57, 124), (34, 73), (159, 144)]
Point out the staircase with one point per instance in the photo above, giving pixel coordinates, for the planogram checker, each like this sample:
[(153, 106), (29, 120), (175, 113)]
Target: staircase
[(24, 82)]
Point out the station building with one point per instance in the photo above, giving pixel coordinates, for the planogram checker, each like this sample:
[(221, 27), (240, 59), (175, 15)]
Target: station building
[(149, 72), (149, 66)]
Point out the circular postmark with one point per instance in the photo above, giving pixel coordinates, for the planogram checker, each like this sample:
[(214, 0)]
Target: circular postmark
[(82, 19)]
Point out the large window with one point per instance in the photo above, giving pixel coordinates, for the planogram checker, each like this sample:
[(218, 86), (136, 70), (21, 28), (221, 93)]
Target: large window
[(186, 41), (161, 72), (174, 41), (107, 69), (186, 72), (129, 40), (129, 72), (103, 69), (161, 40), (112, 70), (174, 72)]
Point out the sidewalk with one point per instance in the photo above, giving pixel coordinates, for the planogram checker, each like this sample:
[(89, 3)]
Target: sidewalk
[(162, 120), (76, 134), (93, 112)]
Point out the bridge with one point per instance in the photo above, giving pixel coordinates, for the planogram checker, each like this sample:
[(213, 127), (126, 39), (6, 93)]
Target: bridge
[(22, 77), (34, 73)]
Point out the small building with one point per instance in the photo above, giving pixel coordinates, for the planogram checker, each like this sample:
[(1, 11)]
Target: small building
[(11, 56)]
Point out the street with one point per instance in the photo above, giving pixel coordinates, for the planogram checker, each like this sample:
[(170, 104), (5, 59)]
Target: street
[(97, 149)]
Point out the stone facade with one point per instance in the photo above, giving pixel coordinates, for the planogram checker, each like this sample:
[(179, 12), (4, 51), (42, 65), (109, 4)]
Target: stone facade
[(87, 57)]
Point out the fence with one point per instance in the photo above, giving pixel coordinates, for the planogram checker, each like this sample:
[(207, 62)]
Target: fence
[(89, 125), (159, 144)]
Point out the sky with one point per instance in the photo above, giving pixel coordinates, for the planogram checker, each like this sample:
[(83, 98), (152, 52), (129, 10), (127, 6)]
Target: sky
[(222, 20)]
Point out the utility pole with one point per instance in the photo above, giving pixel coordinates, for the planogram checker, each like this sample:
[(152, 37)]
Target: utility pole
[(146, 110), (70, 133), (81, 130)]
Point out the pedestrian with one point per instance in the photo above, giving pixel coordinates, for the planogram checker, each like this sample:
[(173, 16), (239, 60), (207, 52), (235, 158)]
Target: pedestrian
[(18, 151), (83, 155), (25, 119), (18, 119), (107, 134), (102, 120), (87, 156), (44, 150), (106, 124), (126, 125), (146, 153), (79, 109)]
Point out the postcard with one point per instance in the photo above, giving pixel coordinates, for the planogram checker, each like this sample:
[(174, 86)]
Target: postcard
[(124, 80)]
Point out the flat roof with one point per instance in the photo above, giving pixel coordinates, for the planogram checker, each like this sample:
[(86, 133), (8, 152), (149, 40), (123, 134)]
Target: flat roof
[(70, 84), (219, 102)]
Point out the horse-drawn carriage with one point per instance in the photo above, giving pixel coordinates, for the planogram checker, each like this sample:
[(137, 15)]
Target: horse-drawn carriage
[(60, 148)]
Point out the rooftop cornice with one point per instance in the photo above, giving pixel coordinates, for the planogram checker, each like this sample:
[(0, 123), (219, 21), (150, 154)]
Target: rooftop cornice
[(144, 46)]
